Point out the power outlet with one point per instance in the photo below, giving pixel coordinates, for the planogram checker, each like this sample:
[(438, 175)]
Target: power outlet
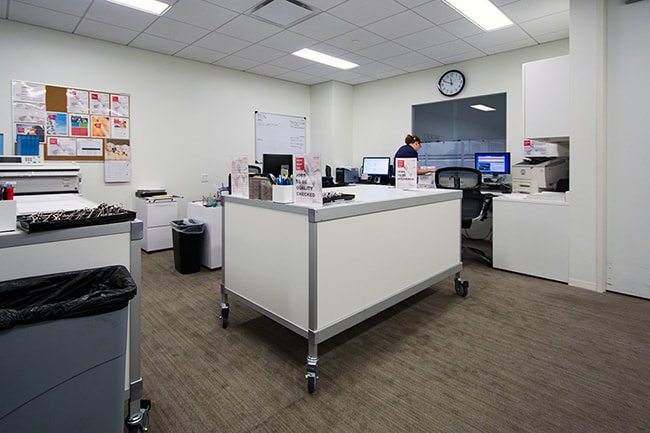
[(204, 177)]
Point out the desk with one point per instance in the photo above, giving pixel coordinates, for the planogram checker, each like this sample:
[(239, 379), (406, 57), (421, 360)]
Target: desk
[(531, 234), (320, 270)]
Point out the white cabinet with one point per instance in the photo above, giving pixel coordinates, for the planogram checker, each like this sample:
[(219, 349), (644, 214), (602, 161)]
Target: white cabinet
[(531, 235), (546, 98), (211, 217), (156, 215)]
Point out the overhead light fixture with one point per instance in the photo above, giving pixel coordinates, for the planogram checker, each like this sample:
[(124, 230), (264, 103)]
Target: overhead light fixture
[(281, 12), (315, 56), (149, 6), (482, 107), (482, 13)]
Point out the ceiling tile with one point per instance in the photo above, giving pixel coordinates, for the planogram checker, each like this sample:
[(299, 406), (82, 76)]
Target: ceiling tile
[(235, 5), (322, 27), (356, 40), (260, 54), (496, 37), (268, 70), (200, 13), (290, 62), (364, 13), (407, 59), (222, 43), (288, 41), (402, 24), (200, 54), (176, 30), (71, 7), (461, 28), (235, 62), (105, 32), (526, 10), (510, 45), (438, 12), (425, 38), (249, 29), (547, 24), (430, 64), (323, 5), (411, 3), (38, 16), (447, 49), (383, 51), (111, 13), (157, 44)]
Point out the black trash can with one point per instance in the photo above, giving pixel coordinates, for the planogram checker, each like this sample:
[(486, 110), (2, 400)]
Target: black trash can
[(63, 338), (187, 235)]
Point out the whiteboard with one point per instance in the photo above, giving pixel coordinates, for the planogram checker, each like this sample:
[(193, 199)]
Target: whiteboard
[(279, 133)]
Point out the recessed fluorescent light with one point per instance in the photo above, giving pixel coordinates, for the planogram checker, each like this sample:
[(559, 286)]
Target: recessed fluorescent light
[(149, 6), (481, 12), (315, 56), (483, 107)]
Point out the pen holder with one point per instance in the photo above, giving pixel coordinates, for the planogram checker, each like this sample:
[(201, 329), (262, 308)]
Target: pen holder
[(283, 193), (7, 215)]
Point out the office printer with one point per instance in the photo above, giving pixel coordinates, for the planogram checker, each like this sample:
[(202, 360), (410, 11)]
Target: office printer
[(544, 165)]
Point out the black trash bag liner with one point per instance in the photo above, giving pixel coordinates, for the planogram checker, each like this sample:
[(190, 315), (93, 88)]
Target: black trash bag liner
[(64, 295)]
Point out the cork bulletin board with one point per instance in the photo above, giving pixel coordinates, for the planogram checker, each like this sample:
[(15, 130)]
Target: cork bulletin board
[(76, 124)]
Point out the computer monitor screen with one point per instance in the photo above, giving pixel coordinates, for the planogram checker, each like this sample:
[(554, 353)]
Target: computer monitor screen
[(376, 165), (273, 163), (494, 163)]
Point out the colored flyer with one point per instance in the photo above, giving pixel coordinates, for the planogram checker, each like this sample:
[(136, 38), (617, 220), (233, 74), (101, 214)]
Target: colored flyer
[(31, 129), (90, 147), (56, 123), (406, 173), (308, 180), (79, 125), (99, 104), (120, 105), (61, 146), (120, 127), (117, 150), (77, 101), (100, 126)]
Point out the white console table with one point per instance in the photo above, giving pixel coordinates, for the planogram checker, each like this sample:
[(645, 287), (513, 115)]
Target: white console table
[(531, 234), (211, 217)]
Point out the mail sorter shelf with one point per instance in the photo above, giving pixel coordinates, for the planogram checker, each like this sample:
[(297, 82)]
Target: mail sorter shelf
[(102, 214), (315, 290)]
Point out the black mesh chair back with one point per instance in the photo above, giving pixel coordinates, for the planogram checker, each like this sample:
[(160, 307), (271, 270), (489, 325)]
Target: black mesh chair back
[(474, 204)]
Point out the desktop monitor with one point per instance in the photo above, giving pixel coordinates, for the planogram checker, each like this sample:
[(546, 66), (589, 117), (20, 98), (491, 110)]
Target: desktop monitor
[(273, 163), (376, 166), (492, 163)]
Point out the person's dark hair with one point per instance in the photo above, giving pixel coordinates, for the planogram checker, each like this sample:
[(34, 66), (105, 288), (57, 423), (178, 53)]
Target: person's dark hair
[(411, 139)]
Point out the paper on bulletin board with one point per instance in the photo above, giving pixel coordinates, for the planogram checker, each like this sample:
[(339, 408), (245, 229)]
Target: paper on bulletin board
[(61, 146), (308, 180), (406, 173), (117, 171), (239, 177)]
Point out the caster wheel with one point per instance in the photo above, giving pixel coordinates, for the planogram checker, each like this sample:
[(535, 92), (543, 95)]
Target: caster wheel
[(224, 316), (311, 384), (461, 287)]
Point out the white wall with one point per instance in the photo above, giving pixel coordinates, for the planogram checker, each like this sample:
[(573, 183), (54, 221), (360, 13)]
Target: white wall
[(382, 109), (187, 118), (628, 152)]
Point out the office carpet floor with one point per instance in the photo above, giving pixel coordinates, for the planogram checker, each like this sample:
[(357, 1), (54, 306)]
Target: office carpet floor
[(518, 354)]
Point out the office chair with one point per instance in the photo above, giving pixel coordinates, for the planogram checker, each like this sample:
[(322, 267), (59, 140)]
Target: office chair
[(254, 169), (474, 204)]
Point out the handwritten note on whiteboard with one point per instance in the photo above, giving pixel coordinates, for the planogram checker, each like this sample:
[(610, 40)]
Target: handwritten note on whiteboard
[(279, 133)]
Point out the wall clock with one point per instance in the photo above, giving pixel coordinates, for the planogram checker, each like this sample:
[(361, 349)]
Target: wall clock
[(451, 83)]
